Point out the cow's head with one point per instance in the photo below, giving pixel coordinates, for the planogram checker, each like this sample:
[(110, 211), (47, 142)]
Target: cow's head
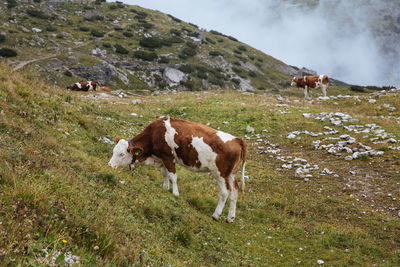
[(125, 153), (293, 81)]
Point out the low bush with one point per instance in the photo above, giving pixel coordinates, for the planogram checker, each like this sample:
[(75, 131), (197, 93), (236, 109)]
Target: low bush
[(11, 4), (51, 28), (2, 38), (186, 68), (151, 42), (127, 34), (145, 55), (242, 48), (84, 29), (215, 53), (163, 60), (96, 33), (175, 31), (120, 49), (235, 81), (8, 52), (188, 84), (233, 38), (211, 41), (107, 45), (174, 18), (252, 74), (356, 88), (37, 14), (188, 51)]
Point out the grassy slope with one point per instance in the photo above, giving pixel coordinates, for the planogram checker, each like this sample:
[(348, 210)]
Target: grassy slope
[(73, 46), (55, 185)]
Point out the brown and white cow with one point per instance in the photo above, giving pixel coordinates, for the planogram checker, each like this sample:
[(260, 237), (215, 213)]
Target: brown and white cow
[(168, 141), (307, 82), (84, 86)]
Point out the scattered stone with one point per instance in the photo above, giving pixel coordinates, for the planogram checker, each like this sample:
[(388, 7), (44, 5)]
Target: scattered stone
[(249, 129), (106, 140), (320, 262), (372, 101), (136, 101)]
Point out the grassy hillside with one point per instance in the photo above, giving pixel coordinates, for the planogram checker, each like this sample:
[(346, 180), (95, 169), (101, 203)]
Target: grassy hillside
[(134, 46), (57, 193)]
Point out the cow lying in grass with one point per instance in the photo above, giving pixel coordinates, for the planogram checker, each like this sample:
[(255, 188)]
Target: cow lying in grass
[(84, 86), (168, 141), (312, 82)]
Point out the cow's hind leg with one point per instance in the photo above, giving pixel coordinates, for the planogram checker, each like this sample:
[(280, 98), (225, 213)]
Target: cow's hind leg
[(305, 92), (223, 195), (233, 194)]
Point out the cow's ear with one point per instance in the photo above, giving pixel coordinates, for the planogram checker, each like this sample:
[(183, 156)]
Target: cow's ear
[(116, 140)]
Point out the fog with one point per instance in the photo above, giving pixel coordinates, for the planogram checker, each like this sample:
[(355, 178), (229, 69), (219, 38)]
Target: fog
[(333, 37)]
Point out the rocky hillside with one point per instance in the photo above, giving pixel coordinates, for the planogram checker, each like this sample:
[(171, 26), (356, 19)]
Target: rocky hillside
[(131, 48)]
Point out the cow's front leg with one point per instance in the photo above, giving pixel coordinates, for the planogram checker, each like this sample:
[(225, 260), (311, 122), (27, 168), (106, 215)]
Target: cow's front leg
[(165, 174), (169, 173), (223, 195), (324, 90)]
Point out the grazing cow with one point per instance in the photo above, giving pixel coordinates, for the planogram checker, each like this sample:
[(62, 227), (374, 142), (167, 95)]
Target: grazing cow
[(306, 82), (84, 86), (105, 88), (168, 141)]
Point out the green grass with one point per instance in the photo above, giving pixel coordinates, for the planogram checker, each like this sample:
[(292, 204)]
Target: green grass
[(55, 185)]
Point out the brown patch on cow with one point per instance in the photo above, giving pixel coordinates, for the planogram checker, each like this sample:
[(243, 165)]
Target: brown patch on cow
[(117, 140), (84, 86)]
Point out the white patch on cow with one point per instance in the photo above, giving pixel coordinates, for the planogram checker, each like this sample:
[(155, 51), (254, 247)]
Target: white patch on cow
[(120, 156), (154, 161), (304, 79), (293, 83), (321, 77), (79, 85), (225, 137), (206, 155), (90, 86), (169, 136)]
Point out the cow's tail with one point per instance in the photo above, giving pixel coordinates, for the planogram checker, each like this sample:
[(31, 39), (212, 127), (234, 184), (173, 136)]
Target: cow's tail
[(243, 156)]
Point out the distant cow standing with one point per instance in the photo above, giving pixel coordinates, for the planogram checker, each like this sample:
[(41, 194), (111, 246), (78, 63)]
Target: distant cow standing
[(307, 82), (84, 86), (168, 141)]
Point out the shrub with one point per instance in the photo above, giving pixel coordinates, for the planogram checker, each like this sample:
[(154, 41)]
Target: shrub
[(235, 81), (211, 41), (127, 34), (175, 31), (194, 25), (242, 47), (357, 88), (191, 45), (84, 29), (216, 33), (174, 18), (151, 42), (51, 28), (37, 14), (188, 84), (233, 38), (68, 73), (188, 51), (145, 55), (251, 57), (252, 74), (107, 45), (11, 3), (97, 33), (184, 237), (202, 75), (7, 52), (164, 60), (173, 39), (99, 2), (120, 49), (215, 53), (214, 80), (186, 68), (237, 63), (260, 59), (237, 51), (237, 70), (2, 38)]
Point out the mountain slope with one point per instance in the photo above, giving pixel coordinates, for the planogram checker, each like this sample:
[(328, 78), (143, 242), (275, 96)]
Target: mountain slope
[(130, 47)]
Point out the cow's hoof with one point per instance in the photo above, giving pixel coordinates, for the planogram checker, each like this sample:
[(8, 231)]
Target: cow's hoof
[(230, 220), (215, 217)]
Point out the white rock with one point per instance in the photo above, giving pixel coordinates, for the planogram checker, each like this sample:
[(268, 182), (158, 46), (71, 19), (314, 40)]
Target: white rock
[(136, 101), (133, 114), (36, 30), (320, 262), (307, 115), (348, 158), (372, 101), (291, 136), (249, 129), (392, 140)]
